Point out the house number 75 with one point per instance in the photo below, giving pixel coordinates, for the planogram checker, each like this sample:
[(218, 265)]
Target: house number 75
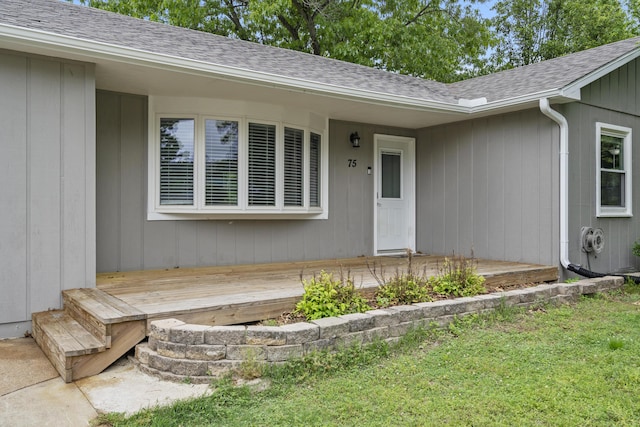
[(352, 163)]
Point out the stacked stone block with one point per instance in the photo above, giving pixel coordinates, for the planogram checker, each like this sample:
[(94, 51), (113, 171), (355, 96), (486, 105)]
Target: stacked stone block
[(179, 351)]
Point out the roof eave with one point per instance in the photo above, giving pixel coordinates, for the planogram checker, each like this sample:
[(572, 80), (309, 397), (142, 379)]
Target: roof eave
[(56, 44), (602, 71), (558, 95)]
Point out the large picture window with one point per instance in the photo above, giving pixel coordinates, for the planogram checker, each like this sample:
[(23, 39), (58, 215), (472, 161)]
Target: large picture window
[(220, 167), (613, 169)]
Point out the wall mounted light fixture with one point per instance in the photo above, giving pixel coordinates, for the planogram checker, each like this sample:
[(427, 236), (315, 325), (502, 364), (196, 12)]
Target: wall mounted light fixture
[(355, 140)]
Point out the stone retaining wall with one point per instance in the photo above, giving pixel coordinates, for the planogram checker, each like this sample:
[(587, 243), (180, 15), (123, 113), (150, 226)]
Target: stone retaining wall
[(178, 351)]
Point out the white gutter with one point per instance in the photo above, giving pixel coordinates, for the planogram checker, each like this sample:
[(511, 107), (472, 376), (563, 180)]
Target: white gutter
[(86, 50), (546, 109)]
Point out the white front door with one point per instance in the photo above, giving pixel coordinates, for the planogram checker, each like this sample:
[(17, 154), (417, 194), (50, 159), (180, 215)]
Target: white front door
[(394, 212)]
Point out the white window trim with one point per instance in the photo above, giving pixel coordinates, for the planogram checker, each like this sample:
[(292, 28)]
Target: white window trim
[(626, 134), (200, 211)]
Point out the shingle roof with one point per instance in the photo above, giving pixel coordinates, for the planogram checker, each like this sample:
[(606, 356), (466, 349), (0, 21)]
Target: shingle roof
[(555, 73), (92, 24), (65, 19)]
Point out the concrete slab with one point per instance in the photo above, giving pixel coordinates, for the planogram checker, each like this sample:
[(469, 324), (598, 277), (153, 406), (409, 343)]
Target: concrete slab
[(50, 403), (123, 388), (22, 364), (32, 393)]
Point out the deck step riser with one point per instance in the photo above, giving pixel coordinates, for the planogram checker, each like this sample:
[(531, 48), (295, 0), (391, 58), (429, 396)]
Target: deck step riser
[(75, 309), (92, 331), (125, 337), (52, 351)]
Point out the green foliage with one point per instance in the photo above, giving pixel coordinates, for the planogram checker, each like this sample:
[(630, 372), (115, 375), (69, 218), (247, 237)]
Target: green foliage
[(535, 30), (325, 296), (636, 248), (457, 277), (536, 369), (443, 40), (572, 280), (461, 324), (320, 363), (403, 289), (615, 344), (250, 367)]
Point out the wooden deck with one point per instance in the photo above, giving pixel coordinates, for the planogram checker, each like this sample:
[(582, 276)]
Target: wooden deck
[(239, 294), (98, 325)]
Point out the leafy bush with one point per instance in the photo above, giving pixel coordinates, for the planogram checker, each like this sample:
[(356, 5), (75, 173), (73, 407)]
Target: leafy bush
[(325, 296), (457, 276), (403, 289), (636, 248)]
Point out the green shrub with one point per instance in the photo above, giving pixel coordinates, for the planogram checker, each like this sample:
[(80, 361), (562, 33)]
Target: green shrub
[(325, 296), (636, 248), (403, 289), (457, 277)]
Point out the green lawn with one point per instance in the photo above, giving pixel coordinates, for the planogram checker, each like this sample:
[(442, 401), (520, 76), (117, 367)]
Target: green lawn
[(558, 366)]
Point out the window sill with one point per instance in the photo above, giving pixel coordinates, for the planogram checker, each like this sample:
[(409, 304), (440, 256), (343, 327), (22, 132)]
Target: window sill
[(248, 215), (614, 214)]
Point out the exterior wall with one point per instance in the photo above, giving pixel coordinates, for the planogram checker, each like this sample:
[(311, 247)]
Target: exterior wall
[(48, 141), (613, 99), (490, 185), (127, 241)]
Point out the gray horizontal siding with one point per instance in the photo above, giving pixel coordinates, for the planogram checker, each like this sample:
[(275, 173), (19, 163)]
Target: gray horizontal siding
[(490, 186), (47, 231), (127, 241)]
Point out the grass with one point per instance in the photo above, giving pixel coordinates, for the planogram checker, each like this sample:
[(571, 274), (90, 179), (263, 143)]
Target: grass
[(569, 366)]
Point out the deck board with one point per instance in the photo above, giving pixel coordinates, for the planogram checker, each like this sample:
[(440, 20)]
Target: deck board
[(232, 294)]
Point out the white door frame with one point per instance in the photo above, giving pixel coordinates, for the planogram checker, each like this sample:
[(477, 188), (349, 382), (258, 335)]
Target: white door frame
[(409, 188)]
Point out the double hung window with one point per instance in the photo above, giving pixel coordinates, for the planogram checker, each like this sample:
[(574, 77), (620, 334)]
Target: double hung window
[(613, 170)]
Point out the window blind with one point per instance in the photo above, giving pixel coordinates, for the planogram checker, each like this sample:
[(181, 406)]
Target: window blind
[(262, 165), (314, 170), (176, 161), (293, 167), (221, 156)]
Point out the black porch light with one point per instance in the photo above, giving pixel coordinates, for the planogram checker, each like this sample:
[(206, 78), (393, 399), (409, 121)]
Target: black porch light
[(355, 140)]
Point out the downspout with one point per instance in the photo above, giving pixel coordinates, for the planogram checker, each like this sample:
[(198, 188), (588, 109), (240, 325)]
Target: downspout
[(546, 109)]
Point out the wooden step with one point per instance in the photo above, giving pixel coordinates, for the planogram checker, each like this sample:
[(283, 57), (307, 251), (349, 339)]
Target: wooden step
[(125, 337), (97, 311), (62, 338), (74, 351)]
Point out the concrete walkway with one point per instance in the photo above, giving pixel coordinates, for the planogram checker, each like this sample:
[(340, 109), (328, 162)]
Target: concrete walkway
[(32, 393)]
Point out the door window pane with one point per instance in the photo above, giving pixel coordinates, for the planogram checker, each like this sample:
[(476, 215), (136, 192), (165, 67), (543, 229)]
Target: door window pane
[(391, 175)]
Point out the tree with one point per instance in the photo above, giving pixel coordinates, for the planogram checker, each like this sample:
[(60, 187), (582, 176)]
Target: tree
[(445, 40), (534, 30)]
